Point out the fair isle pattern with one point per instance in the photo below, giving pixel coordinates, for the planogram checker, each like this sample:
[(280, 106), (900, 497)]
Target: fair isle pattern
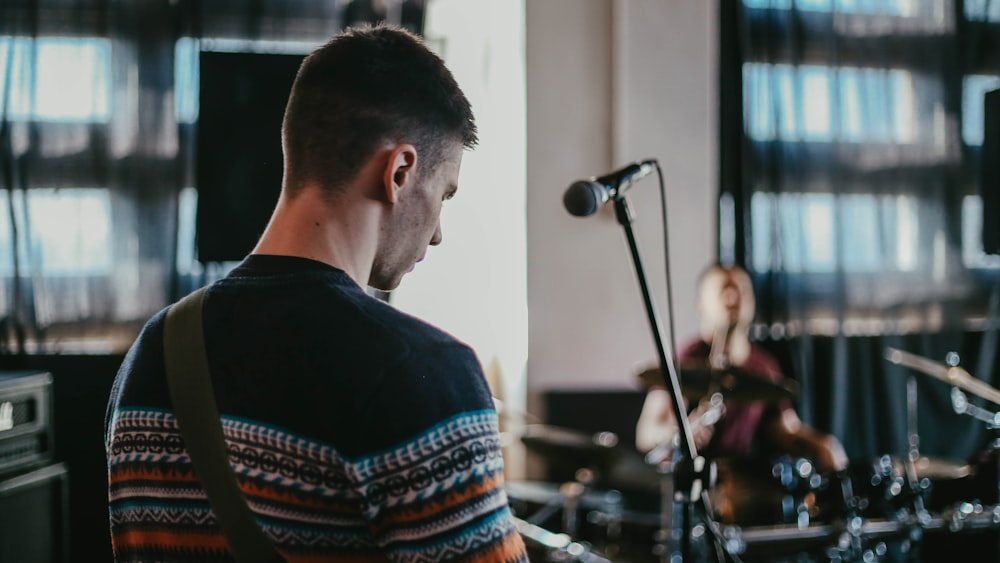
[(435, 497)]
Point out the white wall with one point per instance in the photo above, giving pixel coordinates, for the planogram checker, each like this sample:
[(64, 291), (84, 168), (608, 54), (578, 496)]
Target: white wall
[(475, 284), (609, 82)]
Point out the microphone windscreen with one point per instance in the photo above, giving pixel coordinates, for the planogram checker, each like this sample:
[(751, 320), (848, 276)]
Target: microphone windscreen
[(584, 198)]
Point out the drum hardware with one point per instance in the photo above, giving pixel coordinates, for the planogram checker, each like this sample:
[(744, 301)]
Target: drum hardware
[(949, 373), (850, 539), (568, 448), (800, 481), (689, 530), (965, 513), (572, 492), (903, 492), (552, 499), (602, 520), (856, 538), (557, 547), (967, 516)]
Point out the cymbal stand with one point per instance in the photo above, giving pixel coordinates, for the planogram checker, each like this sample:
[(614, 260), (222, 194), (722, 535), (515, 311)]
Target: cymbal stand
[(912, 428), (691, 473), (916, 488), (904, 492), (851, 544), (960, 381), (566, 504), (960, 403), (558, 547), (572, 492)]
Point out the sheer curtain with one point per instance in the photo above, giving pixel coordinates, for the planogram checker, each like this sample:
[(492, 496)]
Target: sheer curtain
[(98, 121), (88, 153), (850, 190)]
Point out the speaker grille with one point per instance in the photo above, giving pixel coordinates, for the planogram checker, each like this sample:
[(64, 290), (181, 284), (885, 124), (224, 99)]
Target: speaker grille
[(16, 450), (23, 411)]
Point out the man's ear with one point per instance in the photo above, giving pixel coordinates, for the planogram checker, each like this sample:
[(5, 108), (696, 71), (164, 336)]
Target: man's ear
[(400, 170)]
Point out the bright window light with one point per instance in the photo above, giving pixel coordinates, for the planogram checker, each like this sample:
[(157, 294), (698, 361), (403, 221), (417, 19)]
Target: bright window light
[(56, 79), (66, 232), (186, 71), (982, 10), (974, 88), (798, 103), (973, 255), (817, 117), (187, 211), (890, 7), (794, 232)]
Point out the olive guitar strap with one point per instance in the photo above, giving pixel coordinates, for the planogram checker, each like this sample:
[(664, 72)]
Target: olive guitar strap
[(194, 406)]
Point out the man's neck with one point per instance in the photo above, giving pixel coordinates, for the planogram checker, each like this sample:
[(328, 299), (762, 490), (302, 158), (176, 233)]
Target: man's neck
[(310, 226)]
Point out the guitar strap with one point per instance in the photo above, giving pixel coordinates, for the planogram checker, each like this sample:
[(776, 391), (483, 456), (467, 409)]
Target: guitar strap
[(194, 406)]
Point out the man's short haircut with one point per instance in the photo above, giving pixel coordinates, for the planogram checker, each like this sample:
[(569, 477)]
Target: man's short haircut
[(369, 85)]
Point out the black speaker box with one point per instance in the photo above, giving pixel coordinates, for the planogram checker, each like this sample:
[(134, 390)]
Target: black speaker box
[(242, 99), (989, 182), (34, 515), (26, 432)]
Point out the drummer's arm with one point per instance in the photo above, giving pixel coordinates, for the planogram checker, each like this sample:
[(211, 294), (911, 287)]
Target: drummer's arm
[(657, 426), (657, 423), (793, 436)]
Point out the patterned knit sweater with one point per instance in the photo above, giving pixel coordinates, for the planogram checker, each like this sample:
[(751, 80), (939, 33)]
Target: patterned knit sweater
[(356, 432)]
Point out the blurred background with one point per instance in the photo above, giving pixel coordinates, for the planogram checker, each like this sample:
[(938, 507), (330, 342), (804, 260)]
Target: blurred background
[(842, 151)]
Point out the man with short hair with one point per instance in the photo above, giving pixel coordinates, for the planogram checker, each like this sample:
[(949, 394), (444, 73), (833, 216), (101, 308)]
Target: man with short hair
[(355, 431)]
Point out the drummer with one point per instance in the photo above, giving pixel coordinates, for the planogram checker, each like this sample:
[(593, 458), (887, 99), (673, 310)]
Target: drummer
[(733, 429)]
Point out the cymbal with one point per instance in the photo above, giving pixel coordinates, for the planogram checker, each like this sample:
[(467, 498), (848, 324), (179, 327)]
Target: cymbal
[(952, 375), (569, 445), (734, 383), (933, 468)]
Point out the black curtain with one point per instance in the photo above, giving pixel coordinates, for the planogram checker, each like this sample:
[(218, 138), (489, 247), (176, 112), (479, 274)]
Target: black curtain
[(851, 135)]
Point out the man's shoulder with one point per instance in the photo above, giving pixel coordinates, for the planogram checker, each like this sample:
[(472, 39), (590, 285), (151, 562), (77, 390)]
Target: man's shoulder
[(408, 331)]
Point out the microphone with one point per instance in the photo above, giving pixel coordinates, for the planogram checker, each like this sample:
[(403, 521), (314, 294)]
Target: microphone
[(585, 197)]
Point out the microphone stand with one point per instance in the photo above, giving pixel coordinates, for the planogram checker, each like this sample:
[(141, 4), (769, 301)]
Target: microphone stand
[(691, 473)]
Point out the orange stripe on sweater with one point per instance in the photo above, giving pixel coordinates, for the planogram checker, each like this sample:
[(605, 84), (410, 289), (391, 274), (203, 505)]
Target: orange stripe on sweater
[(454, 498), (121, 474), (207, 541), (340, 558), (250, 488)]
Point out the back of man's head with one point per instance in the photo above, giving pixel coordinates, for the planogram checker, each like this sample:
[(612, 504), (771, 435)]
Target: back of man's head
[(367, 86)]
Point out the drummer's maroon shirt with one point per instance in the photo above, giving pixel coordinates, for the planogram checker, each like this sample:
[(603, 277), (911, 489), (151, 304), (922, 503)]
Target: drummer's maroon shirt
[(736, 432)]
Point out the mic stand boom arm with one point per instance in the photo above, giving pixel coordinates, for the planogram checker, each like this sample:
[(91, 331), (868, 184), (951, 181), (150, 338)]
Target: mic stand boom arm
[(688, 467)]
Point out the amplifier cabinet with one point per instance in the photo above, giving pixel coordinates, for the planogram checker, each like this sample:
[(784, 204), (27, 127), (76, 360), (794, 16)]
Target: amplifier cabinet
[(26, 430), (34, 515)]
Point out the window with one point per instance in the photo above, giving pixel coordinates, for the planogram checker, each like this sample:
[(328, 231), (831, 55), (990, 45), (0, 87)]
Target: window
[(814, 232), (822, 104), (853, 171), (974, 88), (58, 79), (68, 232)]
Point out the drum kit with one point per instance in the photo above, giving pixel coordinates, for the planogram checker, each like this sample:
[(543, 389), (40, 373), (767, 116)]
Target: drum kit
[(622, 506)]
